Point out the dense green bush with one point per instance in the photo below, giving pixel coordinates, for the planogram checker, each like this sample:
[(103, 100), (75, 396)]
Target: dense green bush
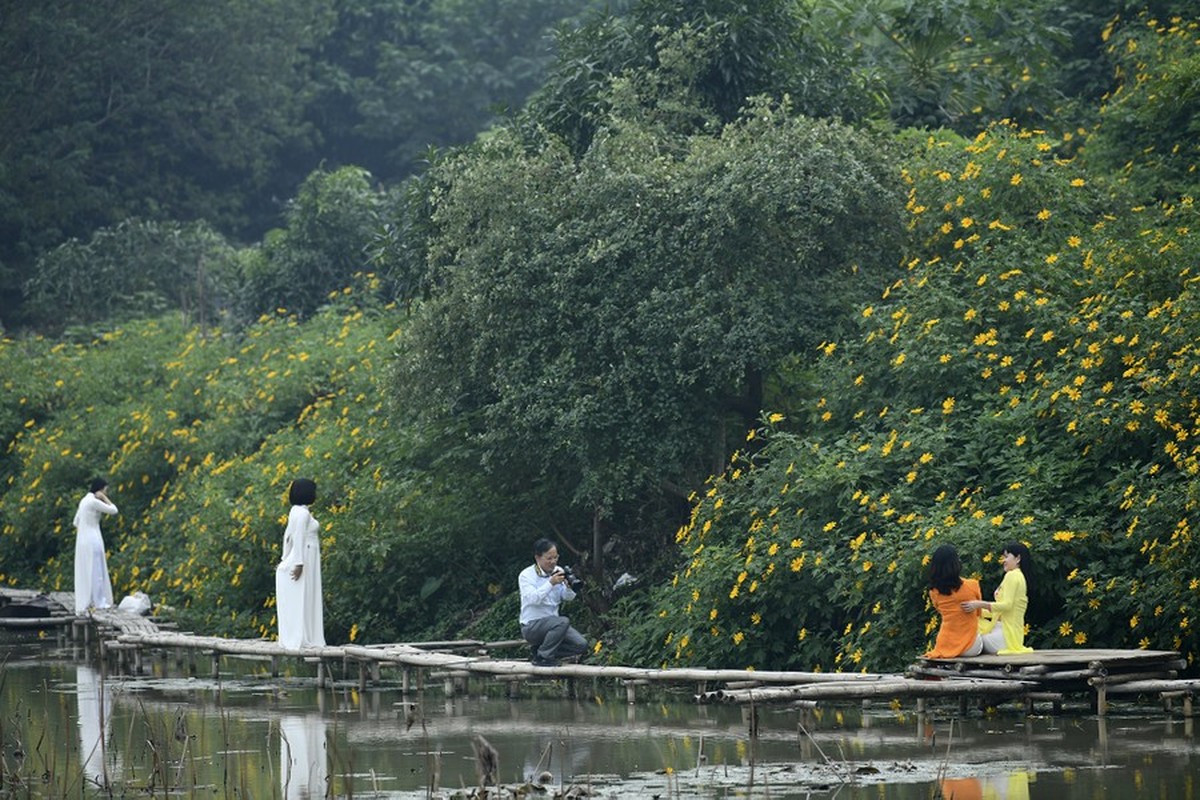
[(137, 268), (329, 224)]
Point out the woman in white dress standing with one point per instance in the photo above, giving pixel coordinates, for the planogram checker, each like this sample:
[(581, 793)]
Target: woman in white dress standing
[(93, 589), (298, 603)]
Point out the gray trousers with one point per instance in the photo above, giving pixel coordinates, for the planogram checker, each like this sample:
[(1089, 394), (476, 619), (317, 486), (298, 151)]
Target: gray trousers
[(554, 637)]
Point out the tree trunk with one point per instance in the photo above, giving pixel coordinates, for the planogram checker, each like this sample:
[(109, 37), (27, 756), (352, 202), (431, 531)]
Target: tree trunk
[(597, 545)]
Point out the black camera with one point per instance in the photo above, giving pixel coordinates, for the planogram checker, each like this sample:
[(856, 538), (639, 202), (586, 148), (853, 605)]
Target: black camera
[(572, 580)]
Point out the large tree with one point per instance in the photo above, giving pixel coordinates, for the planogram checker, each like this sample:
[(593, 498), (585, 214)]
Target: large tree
[(602, 328)]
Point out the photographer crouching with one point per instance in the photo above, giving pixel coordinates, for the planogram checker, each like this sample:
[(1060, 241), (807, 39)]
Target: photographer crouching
[(544, 586)]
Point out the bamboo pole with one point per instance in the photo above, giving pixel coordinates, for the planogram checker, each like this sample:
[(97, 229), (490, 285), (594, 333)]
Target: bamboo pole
[(897, 687), (415, 657), (957, 674), (1131, 677), (1147, 686)]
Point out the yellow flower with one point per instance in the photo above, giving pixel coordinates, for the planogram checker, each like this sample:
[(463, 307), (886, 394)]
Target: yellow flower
[(1015, 180), (1044, 214), (1064, 629), (737, 637), (1081, 638)]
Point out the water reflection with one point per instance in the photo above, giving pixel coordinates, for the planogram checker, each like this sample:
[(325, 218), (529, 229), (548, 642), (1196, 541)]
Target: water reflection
[(93, 698), (1013, 786), (386, 743), (303, 770)]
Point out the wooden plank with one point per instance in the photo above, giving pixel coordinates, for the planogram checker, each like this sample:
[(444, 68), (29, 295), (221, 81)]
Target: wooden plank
[(35, 622), (1062, 657), (903, 687)]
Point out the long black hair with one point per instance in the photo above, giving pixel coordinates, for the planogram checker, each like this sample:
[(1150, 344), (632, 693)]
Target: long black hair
[(1019, 550), (945, 570)]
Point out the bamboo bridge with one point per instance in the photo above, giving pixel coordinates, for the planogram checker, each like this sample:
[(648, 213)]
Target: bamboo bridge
[(131, 640)]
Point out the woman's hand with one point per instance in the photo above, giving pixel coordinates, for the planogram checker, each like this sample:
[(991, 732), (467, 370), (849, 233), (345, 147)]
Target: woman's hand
[(974, 605), (296, 570)]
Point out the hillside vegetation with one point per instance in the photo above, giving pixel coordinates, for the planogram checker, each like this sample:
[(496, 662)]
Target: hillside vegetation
[(764, 355)]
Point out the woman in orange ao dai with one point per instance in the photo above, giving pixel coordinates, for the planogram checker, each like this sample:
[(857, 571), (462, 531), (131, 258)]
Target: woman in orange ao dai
[(958, 634)]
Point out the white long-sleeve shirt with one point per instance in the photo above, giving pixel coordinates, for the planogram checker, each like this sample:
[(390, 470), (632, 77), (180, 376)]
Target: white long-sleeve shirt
[(539, 597)]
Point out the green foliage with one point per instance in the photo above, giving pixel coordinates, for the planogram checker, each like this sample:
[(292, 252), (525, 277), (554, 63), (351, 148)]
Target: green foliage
[(137, 268), (113, 110), (1149, 130), (216, 111), (1032, 378), (954, 63), (597, 324), (329, 225), (712, 56), (200, 433), (393, 78)]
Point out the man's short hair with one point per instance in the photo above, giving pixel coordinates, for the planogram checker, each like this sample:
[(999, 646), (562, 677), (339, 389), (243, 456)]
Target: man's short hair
[(542, 545)]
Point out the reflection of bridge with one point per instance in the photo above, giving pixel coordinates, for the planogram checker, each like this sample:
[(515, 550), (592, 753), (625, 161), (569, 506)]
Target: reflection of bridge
[(1046, 675)]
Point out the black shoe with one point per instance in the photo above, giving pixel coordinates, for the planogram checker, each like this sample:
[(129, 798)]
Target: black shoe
[(538, 661)]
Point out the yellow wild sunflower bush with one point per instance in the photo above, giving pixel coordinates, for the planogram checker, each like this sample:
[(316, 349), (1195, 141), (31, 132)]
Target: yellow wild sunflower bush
[(1033, 376), (200, 433)]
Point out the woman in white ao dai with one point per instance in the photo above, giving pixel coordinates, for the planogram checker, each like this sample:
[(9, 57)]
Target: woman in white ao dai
[(298, 603), (93, 588)]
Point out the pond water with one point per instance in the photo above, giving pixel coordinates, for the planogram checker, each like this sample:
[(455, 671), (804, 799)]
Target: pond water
[(69, 728)]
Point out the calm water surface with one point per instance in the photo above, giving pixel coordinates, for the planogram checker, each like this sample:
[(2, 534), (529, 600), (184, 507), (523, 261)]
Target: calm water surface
[(68, 729)]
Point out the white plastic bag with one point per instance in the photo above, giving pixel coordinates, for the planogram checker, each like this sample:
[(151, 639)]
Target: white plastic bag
[(136, 603)]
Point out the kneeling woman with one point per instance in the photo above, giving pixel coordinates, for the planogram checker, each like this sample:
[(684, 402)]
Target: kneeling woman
[(1003, 623), (950, 592)]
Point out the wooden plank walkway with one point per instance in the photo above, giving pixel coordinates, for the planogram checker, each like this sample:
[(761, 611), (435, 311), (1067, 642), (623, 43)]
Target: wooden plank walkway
[(1100, 671), (1046, 675)]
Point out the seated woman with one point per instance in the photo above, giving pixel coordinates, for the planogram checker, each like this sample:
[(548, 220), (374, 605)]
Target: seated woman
[(950, 592), (1008, 608)]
